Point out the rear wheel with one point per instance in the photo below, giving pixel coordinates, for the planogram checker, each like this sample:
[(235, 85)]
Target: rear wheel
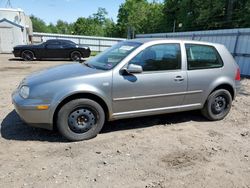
[(80, 119), (75, 56), (27, 55), (218, 105)]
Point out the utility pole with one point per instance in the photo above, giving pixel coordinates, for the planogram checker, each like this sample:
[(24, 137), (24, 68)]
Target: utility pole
[(8, 4), (174, 26), (229, 11)]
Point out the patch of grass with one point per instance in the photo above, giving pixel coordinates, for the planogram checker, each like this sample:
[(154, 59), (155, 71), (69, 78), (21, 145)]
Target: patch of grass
[(94, 53)]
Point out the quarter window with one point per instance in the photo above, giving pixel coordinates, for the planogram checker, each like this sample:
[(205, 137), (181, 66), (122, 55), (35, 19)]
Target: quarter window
[(202, 57), (159, 57)]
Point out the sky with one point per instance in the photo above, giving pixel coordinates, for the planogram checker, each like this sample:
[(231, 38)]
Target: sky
[(67, 10)]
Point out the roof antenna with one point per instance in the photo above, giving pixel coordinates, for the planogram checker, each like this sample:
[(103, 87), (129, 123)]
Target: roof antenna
[(8, 4)]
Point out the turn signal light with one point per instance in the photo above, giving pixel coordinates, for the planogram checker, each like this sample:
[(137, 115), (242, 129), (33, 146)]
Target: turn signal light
[(42, 107)]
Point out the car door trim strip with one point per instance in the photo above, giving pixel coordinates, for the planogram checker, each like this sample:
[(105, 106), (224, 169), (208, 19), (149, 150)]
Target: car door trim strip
[(158, 95), (156, 109)]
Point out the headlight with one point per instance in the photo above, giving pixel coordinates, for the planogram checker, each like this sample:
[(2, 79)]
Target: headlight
[(24, 91)]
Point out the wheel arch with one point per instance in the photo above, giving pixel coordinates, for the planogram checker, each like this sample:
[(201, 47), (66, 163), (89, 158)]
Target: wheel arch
[(227, 87), (31, 50), (207, 108), (91, 96)]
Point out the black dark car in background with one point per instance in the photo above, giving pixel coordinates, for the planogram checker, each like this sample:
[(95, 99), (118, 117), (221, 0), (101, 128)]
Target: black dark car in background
[(54, 48)]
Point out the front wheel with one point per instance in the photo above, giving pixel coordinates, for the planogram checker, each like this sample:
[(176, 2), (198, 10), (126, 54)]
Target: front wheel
[(75, 56), (80, 119), (217, 105), (27, 55)]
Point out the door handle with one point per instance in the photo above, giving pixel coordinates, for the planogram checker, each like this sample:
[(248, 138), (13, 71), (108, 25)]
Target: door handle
[(178, 78)]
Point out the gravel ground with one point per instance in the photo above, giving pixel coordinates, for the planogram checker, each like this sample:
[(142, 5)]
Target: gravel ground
[(174, 150)]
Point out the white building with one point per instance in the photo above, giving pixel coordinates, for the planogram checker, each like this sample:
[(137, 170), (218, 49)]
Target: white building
[(15, 29)]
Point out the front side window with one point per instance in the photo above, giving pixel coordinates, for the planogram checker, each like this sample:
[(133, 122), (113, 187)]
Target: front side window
[(52, 44), (67, 44), (159, 58), (202, 57)]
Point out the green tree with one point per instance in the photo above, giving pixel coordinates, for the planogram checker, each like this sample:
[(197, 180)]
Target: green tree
[(142, 16), (64, 27), (154, 22), (206, 14), (131, 16), (100, 16), (53, 28), (110, 28), (241, 13), (171, 8), (96, 25), (212, 15), (39, 25), (187, 14), (87, 26)]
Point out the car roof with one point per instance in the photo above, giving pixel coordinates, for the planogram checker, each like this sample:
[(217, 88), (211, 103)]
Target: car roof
[(59, 40), (146, 40)]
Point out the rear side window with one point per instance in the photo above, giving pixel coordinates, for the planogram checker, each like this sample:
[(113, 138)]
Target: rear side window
[(202, 57)]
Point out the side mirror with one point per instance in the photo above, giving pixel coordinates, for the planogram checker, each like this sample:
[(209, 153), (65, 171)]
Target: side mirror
[(132, 68)]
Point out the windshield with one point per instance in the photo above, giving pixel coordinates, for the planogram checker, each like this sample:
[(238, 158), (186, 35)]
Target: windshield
[(112, 56)]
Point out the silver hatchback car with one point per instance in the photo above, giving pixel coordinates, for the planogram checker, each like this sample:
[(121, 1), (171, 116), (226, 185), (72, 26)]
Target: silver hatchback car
[(133, 78)]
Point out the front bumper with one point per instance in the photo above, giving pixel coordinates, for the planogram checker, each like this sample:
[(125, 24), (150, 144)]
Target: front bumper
[(26, 109), (16, 53), (86, 53)]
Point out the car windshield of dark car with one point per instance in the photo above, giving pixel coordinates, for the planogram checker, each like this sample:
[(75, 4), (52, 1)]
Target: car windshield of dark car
[(111, 57)]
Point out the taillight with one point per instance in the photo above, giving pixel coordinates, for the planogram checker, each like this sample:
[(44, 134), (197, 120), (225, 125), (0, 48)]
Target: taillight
[(237, 76)]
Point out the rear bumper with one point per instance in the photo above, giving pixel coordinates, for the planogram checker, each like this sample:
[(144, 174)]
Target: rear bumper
[(29, 114), (237, 87)]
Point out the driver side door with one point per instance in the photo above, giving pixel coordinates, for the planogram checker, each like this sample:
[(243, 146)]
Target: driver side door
[(159, 88), (52, 49)]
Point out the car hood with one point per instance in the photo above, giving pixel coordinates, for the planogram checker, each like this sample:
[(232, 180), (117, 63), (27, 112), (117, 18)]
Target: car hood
[(60, 72), (83, 46)]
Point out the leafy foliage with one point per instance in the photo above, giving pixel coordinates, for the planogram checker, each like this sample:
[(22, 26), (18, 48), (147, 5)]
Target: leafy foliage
[(206, 14), (39, 25), (142, 16), (96, 25)]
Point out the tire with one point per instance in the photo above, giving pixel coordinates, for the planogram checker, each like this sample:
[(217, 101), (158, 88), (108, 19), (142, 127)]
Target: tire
[(80, 119), (217, 105), (75, 56), (27, 55)]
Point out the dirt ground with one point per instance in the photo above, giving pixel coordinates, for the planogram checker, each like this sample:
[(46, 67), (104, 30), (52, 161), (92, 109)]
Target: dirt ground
[(174, 150)]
